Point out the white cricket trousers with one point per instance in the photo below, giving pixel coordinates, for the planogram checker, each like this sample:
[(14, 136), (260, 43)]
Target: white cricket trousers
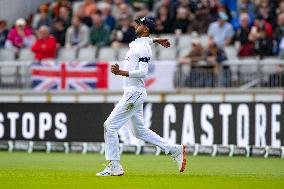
[(129, 107)]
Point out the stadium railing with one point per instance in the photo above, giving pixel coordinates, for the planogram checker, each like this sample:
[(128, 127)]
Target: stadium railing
[(239, 74), (15, 74)]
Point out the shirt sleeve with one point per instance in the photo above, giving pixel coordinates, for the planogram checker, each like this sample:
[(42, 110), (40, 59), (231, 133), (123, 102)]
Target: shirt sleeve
[(144, 58), (230, 31), (150, 41)]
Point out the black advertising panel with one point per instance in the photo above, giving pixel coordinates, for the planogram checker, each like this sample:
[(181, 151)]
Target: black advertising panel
[(53, 122), (242, 124)]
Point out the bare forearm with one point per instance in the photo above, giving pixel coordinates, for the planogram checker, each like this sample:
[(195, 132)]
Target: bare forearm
[(164, 42)]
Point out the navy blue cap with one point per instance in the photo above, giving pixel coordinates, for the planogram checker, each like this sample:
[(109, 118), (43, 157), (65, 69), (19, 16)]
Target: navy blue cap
[(149, 23)]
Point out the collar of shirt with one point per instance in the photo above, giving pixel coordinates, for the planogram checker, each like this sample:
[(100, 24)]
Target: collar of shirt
[(139, 40)]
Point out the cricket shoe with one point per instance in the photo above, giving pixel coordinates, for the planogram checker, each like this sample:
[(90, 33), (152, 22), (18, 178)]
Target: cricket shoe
[(111, 170), (179, 156)]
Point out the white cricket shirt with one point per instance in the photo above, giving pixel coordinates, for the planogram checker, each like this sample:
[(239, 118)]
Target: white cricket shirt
[(136, 62)]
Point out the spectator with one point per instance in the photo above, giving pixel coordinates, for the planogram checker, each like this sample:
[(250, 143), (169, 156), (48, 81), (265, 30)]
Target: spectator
[(202, 17), (196, 55), (125, 33), (45, 45), (190, 64), (108, 19), (137, 4), (56, 6), (20, 36), (123, 8), (64, 14), (163, 22), (143, 11), (281, 7), (247, 5), (259, 22), (231, 5), (215, 56), (204, 74), (244, 46), (44, 19), (77, 34), (265, 13), (59, 32), (100, 33), (115, 10), (87, 20), (263, 43), (184, 4), (182, 20), (236, 20), (3, 33), (221, 31), (89, 7), (215, 9), (279, 34), (171, 5)]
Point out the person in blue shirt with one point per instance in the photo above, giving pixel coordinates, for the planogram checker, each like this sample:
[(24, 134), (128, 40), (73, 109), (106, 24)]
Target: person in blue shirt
[(221, 31)]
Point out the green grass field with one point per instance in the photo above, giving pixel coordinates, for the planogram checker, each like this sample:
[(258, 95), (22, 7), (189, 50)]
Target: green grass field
[(58, 170)]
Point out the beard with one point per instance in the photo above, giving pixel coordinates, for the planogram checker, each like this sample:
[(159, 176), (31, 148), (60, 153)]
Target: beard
[(138, 33)]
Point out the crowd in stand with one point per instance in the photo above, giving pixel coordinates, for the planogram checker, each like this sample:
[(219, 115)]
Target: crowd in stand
[(252, 27), (255, 27)]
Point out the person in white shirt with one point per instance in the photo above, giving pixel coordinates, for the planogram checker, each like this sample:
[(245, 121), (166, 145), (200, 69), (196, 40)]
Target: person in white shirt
[(130, 107)]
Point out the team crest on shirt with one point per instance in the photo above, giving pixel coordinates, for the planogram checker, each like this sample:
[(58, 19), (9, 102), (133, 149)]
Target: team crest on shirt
[(127, 58), (129, 107)]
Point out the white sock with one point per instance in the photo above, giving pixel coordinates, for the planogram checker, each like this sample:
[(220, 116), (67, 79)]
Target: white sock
[(115, 162)]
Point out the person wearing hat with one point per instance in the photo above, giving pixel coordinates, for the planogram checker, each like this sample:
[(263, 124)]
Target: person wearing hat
[(20, 36), (221, 31), (130, 107), (196, 54)]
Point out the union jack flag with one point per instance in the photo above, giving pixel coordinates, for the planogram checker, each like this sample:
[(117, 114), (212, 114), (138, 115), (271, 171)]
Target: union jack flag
[(81, 76)]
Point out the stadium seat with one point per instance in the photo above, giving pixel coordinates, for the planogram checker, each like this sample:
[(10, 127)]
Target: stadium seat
[(67, 54), (26, 55), (87, 54), (7, 54), (183, 52), (167, 54), (8, 73), (231, 52), (121, 53), (107, 54), (204, 40), (184, 41)]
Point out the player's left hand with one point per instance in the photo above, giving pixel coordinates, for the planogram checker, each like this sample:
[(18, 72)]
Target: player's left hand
[(164, 42), (115, 69)]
